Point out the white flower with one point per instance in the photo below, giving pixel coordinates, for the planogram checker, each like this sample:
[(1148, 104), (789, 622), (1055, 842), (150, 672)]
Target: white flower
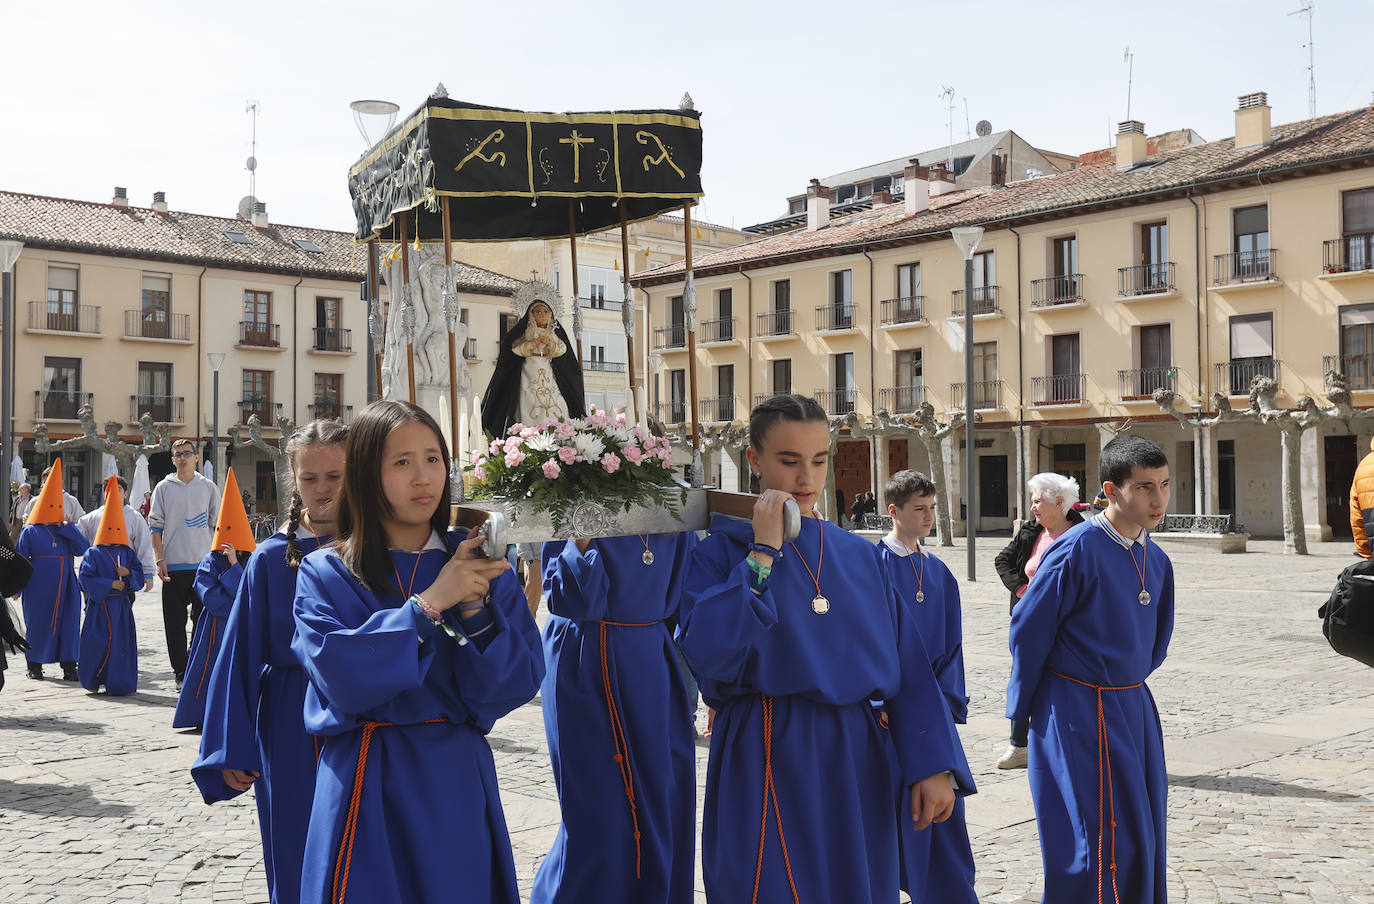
[(541, 442), (617, 434), (588, 446)]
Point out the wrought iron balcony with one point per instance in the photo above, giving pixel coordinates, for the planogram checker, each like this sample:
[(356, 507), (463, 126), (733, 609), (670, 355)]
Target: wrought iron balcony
[(65, 318), (984, 301), (1059, 389), (717, 410), (987, 395), (673, 336), (157, 325), (1145, 279), (470, 348), (266, 411), (610, 367), (910, 309), (671, 412), (60, 404), (600, 304), (837, 401), (259, 334), (331, 339), (775, 323), (1349, 254), (721, 330), (1358, 370), (902, 399), (164, 409), (330, 408), (1053, 290), (1235, 376), (1244, 266), (834, 317), (1140, 383)]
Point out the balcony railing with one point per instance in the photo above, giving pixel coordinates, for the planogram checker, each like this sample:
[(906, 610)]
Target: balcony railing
[(837, 401), (721, 330), (1145, 279), (600, 304), (671, 412), (987, 395), (910, 309), (984, 301), (164, 409), (775, 323), (834, 317), (673, 336), (1141, 382), (1349, 253), (266, 411), (1235, 376), (719, 410), (258, 334), (331, 339), (1053, 290), (470, 348), (1358, 370), (1059, 389), (761, 397), (902, 399), (1244, 266), (44, 315), (609, 367), (157, 325), (330, 408), (60, 404)]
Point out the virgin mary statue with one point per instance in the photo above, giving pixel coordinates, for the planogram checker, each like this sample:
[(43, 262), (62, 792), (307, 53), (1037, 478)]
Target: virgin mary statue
[(537, 374)]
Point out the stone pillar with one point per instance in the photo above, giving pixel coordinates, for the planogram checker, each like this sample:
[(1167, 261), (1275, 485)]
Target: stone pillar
[(1200, 477), (1028, 438), (954, 476), (1210, 495), (1312, 486)]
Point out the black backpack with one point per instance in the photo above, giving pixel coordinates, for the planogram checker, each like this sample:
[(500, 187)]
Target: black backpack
[(1348, 616)]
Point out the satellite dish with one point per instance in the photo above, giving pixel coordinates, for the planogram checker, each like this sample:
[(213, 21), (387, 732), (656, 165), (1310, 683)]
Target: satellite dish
[(363, 108), (246, 207), (984, 128)]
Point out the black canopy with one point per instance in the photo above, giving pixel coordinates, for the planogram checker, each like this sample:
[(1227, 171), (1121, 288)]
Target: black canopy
[(512, 172)]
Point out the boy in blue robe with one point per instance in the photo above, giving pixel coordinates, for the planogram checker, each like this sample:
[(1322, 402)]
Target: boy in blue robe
[(1093, 625), (937, 862), (52, 598), (111, 573), (620, 735)]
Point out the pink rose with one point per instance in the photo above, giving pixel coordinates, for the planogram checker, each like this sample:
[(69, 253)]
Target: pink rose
[(528, 432), (567, 455), (610, 463), (665, 455), (551, 469), (480, 473), (632, 454), (598, 421), (620, 419), (565, 431), (515, 428), (512, 444), (495, 448), (514, 458)]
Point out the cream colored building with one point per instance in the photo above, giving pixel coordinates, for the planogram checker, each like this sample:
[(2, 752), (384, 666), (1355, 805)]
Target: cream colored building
[(1189, 265)]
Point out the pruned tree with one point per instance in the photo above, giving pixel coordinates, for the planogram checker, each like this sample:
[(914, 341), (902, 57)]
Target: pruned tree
[(281, 462)]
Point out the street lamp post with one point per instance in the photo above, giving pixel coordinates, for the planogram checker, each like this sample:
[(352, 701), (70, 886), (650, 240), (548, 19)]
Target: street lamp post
[(967, 238), (9, 253), (216, 360)]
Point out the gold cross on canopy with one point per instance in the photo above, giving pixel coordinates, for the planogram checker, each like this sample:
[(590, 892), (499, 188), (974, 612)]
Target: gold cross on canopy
[(577, 141)]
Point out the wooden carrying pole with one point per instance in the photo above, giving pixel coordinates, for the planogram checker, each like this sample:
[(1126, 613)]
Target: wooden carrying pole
[(572, 242), (454, 443), (372, 294), (405, 281), (629, 300), (691, 333)]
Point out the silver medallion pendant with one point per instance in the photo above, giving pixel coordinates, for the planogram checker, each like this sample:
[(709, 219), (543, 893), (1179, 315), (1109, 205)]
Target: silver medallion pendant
[(1144, 597), (820, 605), (647, 558), (920, 596)]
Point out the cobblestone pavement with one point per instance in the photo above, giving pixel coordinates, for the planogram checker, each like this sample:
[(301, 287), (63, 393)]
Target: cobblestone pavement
[(1269, 735)]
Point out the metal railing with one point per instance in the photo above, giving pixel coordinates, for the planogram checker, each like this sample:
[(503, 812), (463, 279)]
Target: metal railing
[(674, 336), (1349, 253), (984, 301), (910, 309), (761, 397), (1059, 389), (902, 399), (600, 304), (1244, 266), (671, 412), (1358, 370), (157, 325), (834, 317), (987, 395), (331, 339), (775, 323), (1145, 279), (164, 409), (720, 409), (1235, 376), (610, 367), (470, 348), (256, 333), (266, 411), (45, 315), (1141, 382), (330, 408), (1053, 290), (60, 404), (837, 401), (720, 330)]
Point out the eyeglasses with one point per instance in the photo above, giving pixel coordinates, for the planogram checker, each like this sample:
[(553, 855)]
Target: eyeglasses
[(183, 455)]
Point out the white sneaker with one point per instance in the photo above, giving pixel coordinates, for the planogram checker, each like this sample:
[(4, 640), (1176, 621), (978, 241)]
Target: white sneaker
[(1014, 758)]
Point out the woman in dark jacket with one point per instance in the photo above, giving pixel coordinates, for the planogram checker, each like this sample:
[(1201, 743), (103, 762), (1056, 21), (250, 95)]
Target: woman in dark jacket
[(1053, 510)]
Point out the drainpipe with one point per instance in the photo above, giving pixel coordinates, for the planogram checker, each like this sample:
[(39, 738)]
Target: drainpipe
[(295, 348), (872, 375), (748, 338), (1020, 381), (1200, 494), (200, 326)]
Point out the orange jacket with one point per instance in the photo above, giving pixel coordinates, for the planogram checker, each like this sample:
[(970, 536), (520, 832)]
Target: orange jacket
[(1362, 503)]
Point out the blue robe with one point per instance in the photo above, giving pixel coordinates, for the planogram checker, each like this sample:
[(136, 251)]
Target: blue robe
[(52, 598), (109, 642), (1081, 618), (217, 583), (595, 856), (255, 715), (406, 709), (937, 862), (792, 688)]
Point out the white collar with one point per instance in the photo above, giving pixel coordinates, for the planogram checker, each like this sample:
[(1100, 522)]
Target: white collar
[(899, 548), (301, 531), (435, 541), (1102, 521)]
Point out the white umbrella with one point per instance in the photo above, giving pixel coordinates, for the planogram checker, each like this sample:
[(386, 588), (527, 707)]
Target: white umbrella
[(108, 468), (141, 483), (208, 469), (16, 470)]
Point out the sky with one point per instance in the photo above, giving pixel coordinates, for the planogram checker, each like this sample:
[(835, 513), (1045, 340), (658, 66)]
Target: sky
[(152, 95)]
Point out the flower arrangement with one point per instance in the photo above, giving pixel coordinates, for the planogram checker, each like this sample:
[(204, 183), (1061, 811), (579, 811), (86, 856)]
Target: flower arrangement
[(555, 464)]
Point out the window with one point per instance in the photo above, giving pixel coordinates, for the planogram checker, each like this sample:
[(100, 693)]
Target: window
[(62, 306), (782, 295), (1357, 345), (842, 372), (841, 314), (1156, 360), (984, 271), (328, 392), (910, 388), (1065, 261), (724, 409), (307, 246), (239, 237), (1357, 228), (61, 387), (596, 354), (1154, 243), (1250, 242), (257, 318), (677, 396), (985, 375), (908, 281), (781, 376), (1065, 382), (328, 335), (257, 395), (1252, 350), (725, 315), (156, 307), (154, 391)]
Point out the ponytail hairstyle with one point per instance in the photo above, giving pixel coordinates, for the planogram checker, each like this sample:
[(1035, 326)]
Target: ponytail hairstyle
[(322, 432)]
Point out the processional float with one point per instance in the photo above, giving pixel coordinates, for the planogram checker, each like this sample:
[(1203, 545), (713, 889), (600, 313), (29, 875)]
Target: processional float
[(458, 171)]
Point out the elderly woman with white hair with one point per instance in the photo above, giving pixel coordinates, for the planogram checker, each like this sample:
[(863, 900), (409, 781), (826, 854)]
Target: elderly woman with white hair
[(1054, 498)]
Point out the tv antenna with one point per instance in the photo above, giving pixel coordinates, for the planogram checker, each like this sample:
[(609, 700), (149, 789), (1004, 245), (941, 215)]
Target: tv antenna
[(947, 93), (967, 134), (363, 108), (1129, 59), (1306, 10), (252, 108)]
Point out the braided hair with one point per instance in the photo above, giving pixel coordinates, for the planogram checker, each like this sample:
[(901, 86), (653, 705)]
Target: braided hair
[(320, 432)]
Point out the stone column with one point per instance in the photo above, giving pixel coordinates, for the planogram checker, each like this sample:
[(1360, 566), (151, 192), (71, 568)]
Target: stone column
[(1312, 486), (1200, 477), (880, 468), (1210, 495), (954, 476), (1027, 438)]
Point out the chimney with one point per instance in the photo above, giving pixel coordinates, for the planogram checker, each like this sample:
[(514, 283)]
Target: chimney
[(882, 198), (259, 215), (159, 202), (941, 180), (1130, 144), (817, 206), (121, 197), (917, 180), (1252, 120)]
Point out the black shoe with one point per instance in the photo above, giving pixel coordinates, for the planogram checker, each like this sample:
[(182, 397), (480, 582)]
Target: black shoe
[(179, 680), (35, 671), (69, 671)]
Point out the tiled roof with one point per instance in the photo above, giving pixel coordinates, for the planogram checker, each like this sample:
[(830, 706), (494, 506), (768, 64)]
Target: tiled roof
[(1213, 165), (97, 228)]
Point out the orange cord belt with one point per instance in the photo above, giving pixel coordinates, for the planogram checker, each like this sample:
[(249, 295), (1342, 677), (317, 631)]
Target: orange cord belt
[(344, 860), (618, 738), (209, 657), (770, 794), (57, 606), (1104, 765)]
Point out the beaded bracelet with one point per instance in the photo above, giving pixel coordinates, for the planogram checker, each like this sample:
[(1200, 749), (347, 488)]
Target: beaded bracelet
[(766, 550), (426, 609)]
